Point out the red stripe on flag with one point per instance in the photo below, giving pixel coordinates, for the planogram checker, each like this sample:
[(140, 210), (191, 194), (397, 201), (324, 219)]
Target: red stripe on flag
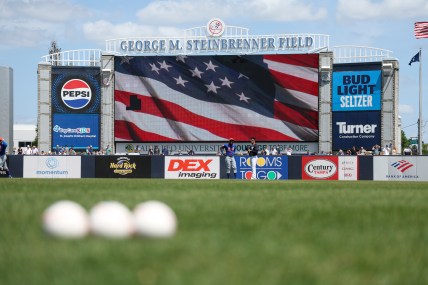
[(172, 111), (296, 115), (130, 132), (421, 30), (305, 60), (295, 83)]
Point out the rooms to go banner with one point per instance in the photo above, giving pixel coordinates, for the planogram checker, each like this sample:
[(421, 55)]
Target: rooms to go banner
[(357, 90)]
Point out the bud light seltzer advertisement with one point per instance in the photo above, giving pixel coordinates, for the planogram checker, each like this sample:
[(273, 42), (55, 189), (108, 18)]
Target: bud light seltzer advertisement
[(76, 90), (359, 129), (357, 90)]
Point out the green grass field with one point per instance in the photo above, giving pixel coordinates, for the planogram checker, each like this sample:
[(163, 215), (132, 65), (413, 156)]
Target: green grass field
[(230, 232)]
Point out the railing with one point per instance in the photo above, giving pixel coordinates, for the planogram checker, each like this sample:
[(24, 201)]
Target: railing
[(352, 54), (81, 57)]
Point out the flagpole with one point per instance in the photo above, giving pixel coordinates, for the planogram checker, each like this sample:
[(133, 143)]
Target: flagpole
[(420, 105)]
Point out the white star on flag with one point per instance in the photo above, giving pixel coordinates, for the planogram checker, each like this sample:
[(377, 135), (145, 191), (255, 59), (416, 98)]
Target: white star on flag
[(211, 66), (180, 81), (181, 58), (154, 67), (164, 65), (242, 97), (212, 87), (126, 59), (242, 75), (195, 72), (226, 82)]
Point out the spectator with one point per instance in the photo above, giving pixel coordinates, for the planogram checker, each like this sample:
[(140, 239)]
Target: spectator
[(156, 151), (165, 151), (150, 152)]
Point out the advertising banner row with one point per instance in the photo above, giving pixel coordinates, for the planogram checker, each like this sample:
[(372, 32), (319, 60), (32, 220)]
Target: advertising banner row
[(394, 168)]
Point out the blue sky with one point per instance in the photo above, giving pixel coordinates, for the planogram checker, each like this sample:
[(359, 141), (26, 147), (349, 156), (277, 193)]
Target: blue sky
[(28, 26)]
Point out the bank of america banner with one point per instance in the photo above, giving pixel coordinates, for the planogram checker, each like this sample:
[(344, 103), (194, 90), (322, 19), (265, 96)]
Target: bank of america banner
[(400, 168), (356, 90), (213, 98)]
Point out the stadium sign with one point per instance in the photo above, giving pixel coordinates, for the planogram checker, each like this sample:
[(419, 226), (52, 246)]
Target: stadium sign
[(194, 167), (217, 37)]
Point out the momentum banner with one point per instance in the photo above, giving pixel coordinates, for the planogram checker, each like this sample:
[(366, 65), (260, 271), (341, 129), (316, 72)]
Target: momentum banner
[(52, 167)]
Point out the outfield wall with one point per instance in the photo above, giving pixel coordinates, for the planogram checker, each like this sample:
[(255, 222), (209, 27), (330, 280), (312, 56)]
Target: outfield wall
[(385, 168)]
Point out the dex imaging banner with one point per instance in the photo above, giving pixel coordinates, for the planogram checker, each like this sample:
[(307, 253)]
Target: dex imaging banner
[(52, 167), (76, 130), (357, 90), (359, 129), (192, 167)]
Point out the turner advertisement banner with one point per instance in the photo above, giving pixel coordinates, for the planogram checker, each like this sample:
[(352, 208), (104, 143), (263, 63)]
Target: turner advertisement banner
[(400, 168), (76, 90), (359, 129)]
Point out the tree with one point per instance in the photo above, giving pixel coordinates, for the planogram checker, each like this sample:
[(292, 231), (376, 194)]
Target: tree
[(54, 52), (405, 142)]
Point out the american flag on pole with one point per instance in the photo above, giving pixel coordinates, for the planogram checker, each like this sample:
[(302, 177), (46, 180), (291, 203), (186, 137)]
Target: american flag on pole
[(421, 30), (213, 98)]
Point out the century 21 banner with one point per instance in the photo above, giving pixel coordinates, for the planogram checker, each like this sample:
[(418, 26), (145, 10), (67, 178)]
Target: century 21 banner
[(357, 90)]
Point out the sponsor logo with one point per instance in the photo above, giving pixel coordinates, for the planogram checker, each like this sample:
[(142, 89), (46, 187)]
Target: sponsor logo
[(123, 166), (402, 165), (52, 162), (320, 168), (129, 148), (270, 168), (58, 129), (192, 168), (76, 94), (215, 27)]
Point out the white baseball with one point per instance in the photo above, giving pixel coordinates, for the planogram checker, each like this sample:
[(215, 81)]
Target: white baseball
[(111, 219), (155, 219), (66, 219)]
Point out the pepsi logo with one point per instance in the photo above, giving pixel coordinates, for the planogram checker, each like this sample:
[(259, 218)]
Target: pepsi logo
[(76, 94)]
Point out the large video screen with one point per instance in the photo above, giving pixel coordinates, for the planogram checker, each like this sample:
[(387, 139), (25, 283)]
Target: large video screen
[(214, 98)]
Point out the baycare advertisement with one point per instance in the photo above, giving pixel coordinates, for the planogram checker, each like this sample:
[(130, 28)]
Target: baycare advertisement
[(192, 167), (359, 129), (76, 130), (400, 168), (357, 90), (76, 90), (320, 168), (268, 167), (127, 166)]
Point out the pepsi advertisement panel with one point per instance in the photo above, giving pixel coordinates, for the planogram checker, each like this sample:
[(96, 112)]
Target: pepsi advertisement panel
[(76, 90), (357, 90), (359, 129), (268, 167), (77, 131)]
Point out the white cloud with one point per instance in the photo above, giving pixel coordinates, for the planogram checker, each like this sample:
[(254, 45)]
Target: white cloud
[(405, 109), (103, 30), (384, 9), (185, 11), (26, 23)]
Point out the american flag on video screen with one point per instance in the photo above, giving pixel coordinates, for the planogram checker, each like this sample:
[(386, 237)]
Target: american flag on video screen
[(421, 30), (213, 98)]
